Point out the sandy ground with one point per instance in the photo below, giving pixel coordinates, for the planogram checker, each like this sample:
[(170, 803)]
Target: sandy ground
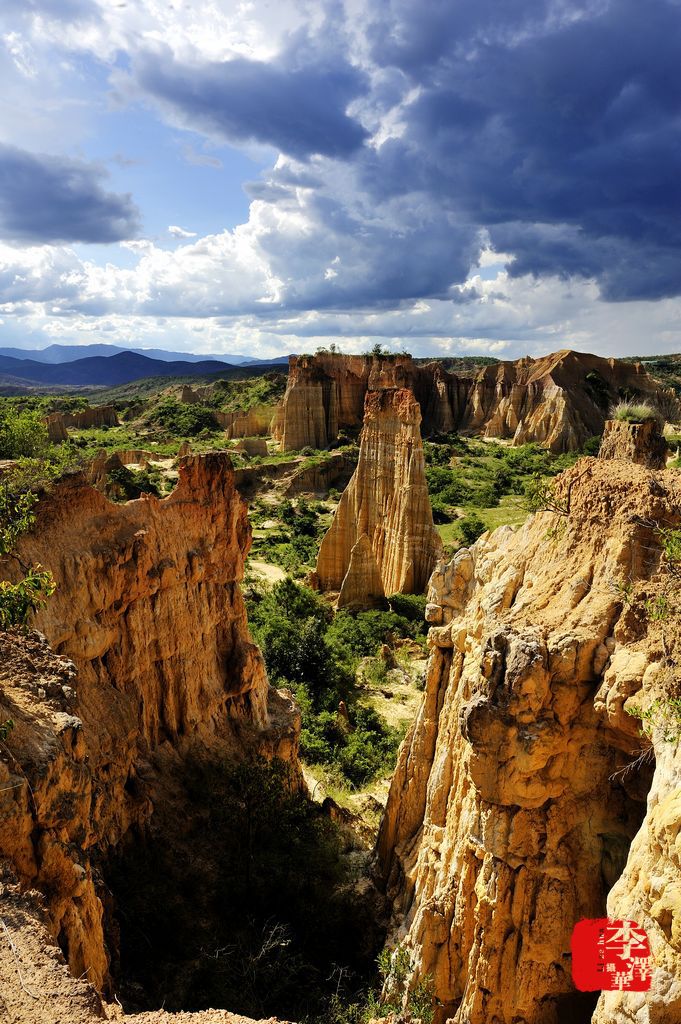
[(271, 573)]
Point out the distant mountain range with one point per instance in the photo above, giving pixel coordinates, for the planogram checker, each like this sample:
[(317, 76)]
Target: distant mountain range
[(71, 353), (121, 368)]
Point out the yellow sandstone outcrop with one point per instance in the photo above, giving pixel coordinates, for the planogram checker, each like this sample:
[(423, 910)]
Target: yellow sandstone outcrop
[(150, 658), (509, 816), (387, 502), (635, 442), (558, 401)]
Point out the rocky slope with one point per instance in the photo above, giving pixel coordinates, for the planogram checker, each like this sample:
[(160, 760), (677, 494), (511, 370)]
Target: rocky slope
[(558, 401), (382, 539), (510, 817), (150, 658)]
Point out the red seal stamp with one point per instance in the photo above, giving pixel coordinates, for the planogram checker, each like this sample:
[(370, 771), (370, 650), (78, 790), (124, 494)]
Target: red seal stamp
[(610, 955)]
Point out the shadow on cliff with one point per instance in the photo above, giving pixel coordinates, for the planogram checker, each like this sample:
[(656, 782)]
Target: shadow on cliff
[(242, 895)]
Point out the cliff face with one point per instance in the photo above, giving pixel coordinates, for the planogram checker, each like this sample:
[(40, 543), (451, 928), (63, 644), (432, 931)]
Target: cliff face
[(150, 656), (559, 400), (384, 510), (635, 442), (509, 818), (84, 419)]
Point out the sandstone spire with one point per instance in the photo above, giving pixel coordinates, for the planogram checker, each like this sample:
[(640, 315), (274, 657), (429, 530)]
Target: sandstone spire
[(386, 500)]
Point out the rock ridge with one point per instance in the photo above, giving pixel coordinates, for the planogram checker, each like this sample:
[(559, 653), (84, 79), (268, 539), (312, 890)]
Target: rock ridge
[(559, 400)]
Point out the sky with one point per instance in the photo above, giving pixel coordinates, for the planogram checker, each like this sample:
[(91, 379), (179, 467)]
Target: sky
[(498, 177)]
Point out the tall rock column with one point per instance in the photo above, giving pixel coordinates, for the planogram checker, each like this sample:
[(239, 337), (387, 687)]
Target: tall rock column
[(382, 539)]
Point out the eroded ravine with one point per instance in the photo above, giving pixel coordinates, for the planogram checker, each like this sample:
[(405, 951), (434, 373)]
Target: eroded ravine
[(509, 817)]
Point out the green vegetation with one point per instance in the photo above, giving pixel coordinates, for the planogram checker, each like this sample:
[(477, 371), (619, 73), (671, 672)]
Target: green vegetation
[(664, 714), (540, 496), (295, 544), (129, 484), (23, 437), (5, 729), (476, 486), (639, 412), (232, 395), (671, 548), (317, 655), (18, 495), (394, 968), (182, 420), (22, 432)]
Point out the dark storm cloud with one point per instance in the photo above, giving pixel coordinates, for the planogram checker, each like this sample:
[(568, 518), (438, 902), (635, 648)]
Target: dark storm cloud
[(555, 126), (50, 199), (301, 109)]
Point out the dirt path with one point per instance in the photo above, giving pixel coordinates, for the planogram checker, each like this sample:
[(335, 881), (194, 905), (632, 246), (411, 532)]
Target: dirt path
[(267, 571)]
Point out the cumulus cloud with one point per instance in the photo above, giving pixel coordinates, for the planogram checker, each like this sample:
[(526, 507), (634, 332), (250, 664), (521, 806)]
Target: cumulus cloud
[(51, 199), (412, 138)]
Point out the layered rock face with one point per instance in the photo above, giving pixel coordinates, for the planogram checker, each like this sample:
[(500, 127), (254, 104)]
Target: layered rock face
[(509, 818), (84, 419), (382, 539), (325, 393), (558, 401), (150, 657), (641, 443), (253, 422)]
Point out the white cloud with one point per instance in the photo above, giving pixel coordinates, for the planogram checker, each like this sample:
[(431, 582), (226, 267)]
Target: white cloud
[(177, 232)]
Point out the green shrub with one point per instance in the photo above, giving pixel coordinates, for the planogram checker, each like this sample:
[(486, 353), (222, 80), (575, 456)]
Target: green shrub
[(638, 412), (129, 484), (592, 445), (183, 420), (306, 647), (470, 528), (22, 433), (664, 713), (18, 600), (17, 501)]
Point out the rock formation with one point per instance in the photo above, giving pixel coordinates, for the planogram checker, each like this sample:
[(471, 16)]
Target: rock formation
[(56, 428), (150, 656), (252, 446), (558, 401), (253, 422), (641, 443), (334, 472), (84, 419), (509, 816), (386, 500)]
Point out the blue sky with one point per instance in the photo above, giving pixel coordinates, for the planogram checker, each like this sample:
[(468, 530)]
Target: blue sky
[(501, 177)]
